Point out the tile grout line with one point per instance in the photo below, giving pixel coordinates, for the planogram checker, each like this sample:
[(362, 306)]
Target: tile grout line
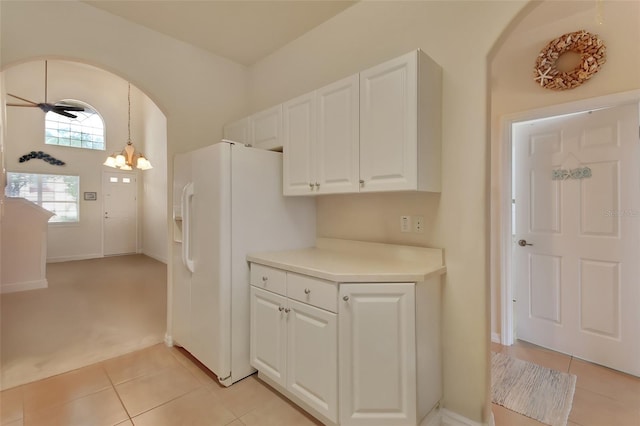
[(117, 394)]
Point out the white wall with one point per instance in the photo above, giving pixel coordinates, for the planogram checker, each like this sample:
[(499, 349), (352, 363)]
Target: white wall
[(458, 35), (514, 91), (107, 93), (155, 240)]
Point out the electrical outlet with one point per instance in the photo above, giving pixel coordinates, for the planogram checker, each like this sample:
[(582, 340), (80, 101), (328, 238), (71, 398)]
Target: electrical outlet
[(405, 223), (418, 224)]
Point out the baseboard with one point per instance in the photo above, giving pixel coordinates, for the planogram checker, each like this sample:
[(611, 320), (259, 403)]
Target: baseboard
[(168, 340), (70, 258), (495, 338), (22, 286), (444, 417), (158, 258), (449, 418)]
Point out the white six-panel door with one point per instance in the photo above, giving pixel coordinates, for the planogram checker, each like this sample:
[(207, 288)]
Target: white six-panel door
[(577, 274)]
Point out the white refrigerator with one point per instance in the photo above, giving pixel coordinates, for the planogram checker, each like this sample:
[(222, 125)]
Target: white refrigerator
[(227, 202)]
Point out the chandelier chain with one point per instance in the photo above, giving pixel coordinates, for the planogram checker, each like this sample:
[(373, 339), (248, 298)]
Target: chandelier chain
[(129, 116)]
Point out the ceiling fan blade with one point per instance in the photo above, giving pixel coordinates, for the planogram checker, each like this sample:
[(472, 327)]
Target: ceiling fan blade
[(46, 107), (22, 105), (22, 99), (69, 107), (65, 113)]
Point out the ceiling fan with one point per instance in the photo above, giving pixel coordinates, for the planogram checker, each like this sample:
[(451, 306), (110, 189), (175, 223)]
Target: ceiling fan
[(57, 108)]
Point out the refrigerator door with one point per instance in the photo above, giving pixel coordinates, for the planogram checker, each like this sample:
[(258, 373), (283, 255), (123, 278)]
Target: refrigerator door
[(211, 257), (180, 317)]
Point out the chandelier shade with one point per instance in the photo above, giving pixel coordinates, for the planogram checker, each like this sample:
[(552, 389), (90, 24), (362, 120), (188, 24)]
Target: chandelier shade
[(128, 158)]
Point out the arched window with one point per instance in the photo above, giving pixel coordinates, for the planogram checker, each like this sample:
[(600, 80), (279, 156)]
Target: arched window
[(85, 131)]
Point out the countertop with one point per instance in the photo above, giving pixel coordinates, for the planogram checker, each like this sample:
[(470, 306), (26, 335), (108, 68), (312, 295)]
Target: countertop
[(356, 261)]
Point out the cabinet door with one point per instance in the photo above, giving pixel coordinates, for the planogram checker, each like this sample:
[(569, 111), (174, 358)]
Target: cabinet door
[(268, 334), (337, 147), (377, 353), (299, 122), (388, 125), (312, 355), (266, 128), (238, 131)]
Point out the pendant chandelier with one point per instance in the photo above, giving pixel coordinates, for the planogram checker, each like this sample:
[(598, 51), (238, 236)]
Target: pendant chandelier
[(128, 158)]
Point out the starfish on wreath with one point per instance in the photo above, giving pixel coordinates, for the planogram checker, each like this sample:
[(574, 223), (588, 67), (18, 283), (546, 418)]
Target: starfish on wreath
[(543, 76)]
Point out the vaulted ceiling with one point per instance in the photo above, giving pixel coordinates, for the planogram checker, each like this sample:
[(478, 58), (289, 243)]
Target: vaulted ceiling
[(243, 31)]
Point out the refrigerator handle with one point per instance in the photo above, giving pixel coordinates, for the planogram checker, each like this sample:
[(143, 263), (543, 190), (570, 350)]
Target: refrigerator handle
[(187, 195)]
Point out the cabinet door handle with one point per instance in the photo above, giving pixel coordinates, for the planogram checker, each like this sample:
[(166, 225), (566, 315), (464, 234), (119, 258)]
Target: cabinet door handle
[(361, 182), (307, 291), (287, 310), (345, 298), (281, 309), (317, 185), (311, 186), (265, 279)]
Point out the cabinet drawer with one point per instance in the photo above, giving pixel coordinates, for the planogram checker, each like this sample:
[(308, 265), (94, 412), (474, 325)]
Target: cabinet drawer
[(320, 293), (268, 278)]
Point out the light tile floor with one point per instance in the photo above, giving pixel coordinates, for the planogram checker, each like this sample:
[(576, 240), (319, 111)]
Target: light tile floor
[(158, 386), (162, 386), (603, 397)]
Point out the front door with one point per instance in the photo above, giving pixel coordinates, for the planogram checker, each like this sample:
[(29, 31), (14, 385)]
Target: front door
[(577, 235), (120, 213)]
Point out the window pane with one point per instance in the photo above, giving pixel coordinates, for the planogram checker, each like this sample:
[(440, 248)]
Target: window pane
[(56, 193), (85, 131)]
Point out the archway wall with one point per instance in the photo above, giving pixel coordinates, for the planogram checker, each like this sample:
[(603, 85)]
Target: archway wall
[(196, 91), (458, 35), (513, 89), (107, 94)]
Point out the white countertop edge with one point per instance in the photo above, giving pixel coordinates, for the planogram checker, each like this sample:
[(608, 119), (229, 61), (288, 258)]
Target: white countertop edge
[(362, 261), (352, 277)]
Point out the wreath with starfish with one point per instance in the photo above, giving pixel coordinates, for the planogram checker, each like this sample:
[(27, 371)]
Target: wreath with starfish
[(592, 56)]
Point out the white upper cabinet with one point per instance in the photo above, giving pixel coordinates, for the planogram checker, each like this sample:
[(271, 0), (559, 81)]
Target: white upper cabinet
[(262, 130), (299, 137), (400, 122), (379, 130), (266, 128), (337, 145), (321, 140), (238, 131)]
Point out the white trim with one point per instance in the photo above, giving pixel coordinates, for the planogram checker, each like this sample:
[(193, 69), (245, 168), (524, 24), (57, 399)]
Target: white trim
[(24, 285), (158, 258), (444, 417), (495, 338), (168, 340), (449, 418), (75, 257), (506, 291)]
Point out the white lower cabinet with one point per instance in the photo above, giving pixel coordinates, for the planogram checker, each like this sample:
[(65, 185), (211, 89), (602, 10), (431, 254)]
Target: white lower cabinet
[(312, 361), (268, 334), (348, 353), (295, 346), (377, 354)]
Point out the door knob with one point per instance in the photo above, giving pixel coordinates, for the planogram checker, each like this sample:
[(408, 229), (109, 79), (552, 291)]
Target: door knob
[(523, 243)]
